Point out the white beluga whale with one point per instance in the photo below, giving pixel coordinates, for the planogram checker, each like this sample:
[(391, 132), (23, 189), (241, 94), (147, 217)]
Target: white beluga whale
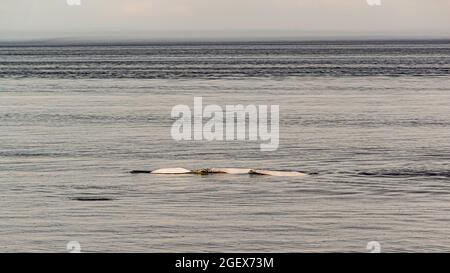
[(173, 171), (230, 170)]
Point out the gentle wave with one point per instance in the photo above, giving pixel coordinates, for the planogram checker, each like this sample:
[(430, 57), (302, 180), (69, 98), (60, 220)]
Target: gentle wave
[(407, 173), (233, 60)]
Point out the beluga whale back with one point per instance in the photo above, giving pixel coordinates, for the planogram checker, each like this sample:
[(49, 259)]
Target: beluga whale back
[(172, 171), (231, 170)]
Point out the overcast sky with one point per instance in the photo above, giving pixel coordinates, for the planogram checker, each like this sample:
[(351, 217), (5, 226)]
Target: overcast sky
[(222, 18)]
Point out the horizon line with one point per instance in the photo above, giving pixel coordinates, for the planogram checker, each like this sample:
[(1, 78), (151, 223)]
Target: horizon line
[(177, 40)]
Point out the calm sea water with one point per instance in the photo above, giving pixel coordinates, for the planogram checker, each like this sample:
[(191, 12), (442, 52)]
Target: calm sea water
[(369, 120)]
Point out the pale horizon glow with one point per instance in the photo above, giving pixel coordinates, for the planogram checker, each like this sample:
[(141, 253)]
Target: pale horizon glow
[(147, 19)]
